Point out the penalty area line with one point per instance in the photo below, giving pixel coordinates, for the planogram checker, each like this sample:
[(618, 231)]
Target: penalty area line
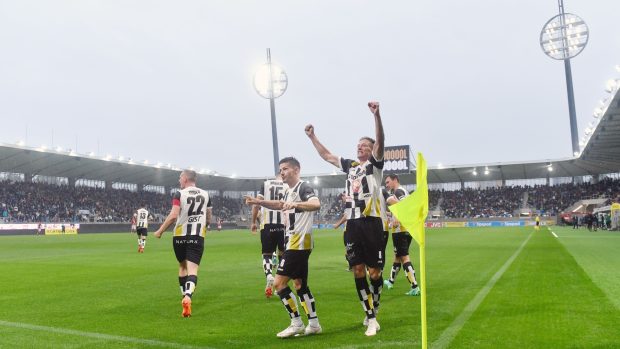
[(449, 333), (554, 234), (95, 335)]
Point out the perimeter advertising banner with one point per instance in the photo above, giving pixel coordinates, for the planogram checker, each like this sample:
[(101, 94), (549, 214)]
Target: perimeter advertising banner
[(396, 159), (61, 229)]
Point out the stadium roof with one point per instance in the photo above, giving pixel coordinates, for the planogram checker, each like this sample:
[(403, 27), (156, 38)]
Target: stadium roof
[(601, 155)]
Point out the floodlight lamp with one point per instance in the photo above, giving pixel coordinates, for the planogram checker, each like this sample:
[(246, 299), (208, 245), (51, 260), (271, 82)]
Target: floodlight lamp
[(564, 36), (576, 154), (611, 85), (316, 180), (270, 81), (486, 172), (91, 154), (474, 172), (550, 168), (588, 131)]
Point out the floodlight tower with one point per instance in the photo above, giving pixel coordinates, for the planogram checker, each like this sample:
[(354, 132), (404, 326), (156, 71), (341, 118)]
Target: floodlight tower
[(270, 82), (564, 37)]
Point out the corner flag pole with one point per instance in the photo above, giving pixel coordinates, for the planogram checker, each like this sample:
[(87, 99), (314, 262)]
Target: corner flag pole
[(412, 212), (423, 290)]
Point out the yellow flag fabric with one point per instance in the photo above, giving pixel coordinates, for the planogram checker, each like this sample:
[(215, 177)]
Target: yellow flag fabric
[(412, 210)]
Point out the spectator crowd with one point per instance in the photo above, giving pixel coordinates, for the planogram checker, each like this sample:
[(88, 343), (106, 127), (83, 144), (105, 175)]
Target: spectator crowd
[(38, 202)]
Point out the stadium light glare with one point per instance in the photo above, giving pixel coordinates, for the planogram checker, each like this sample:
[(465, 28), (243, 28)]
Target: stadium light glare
[(59, 149), (486, 171), (588, 131), (612, 85), (440, 165), (270, 82), (121, 158), (43, 147), (91, 154), (474, 172), (108, 157), (576, 154), (146, 162), (316, 180)]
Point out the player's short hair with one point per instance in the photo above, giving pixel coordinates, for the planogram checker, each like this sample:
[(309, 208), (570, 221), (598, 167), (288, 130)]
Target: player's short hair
[(190, 175), (291, 161), (393, 177), (371, 140)]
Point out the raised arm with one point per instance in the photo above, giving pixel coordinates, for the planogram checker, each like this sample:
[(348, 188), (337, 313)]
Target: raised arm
[(377, 151), (320, 148)]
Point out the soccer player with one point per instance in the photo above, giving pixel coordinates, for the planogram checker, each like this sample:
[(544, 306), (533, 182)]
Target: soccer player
[(271, 227), (142, 226), (133, 223), (400, 239), (297, 208), (363, 236), (537, 227), (191, 208)]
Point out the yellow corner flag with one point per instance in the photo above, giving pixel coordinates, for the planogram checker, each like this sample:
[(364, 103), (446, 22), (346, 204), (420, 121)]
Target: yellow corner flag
[(412, 212)]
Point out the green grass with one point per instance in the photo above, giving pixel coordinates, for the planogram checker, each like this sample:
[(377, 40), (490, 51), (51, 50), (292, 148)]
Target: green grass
[(99, 284)]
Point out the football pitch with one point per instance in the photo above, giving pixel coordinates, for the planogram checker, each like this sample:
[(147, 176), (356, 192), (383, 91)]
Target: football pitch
[(487, 288)]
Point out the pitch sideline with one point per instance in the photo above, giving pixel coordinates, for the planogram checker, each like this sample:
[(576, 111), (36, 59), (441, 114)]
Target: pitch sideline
[(102, 336)]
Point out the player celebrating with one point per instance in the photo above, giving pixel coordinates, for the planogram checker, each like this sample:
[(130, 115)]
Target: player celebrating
[(191, 208), (363, 236), (400, 239), (297, 208), (271, 227), (142, 226)]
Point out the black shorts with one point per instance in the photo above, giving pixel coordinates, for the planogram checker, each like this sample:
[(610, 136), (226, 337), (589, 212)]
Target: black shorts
[(386, 238), (294, 264), (188, 248), (401, 242), (272, 237), (537, 223), (364, 242), (142, 231)]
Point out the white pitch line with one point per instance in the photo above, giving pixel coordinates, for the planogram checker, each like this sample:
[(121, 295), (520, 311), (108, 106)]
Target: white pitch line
[(102, 336), (449, 333), (554, 234)]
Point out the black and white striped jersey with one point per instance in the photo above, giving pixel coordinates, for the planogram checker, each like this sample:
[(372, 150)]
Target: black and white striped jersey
[(194, 203), (272, 189), (399, 193), (143, 218), (298, 224), (363, 187)]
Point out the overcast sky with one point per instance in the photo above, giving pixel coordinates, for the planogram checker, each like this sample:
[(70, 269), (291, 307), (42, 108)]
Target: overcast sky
[(462, 81)]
